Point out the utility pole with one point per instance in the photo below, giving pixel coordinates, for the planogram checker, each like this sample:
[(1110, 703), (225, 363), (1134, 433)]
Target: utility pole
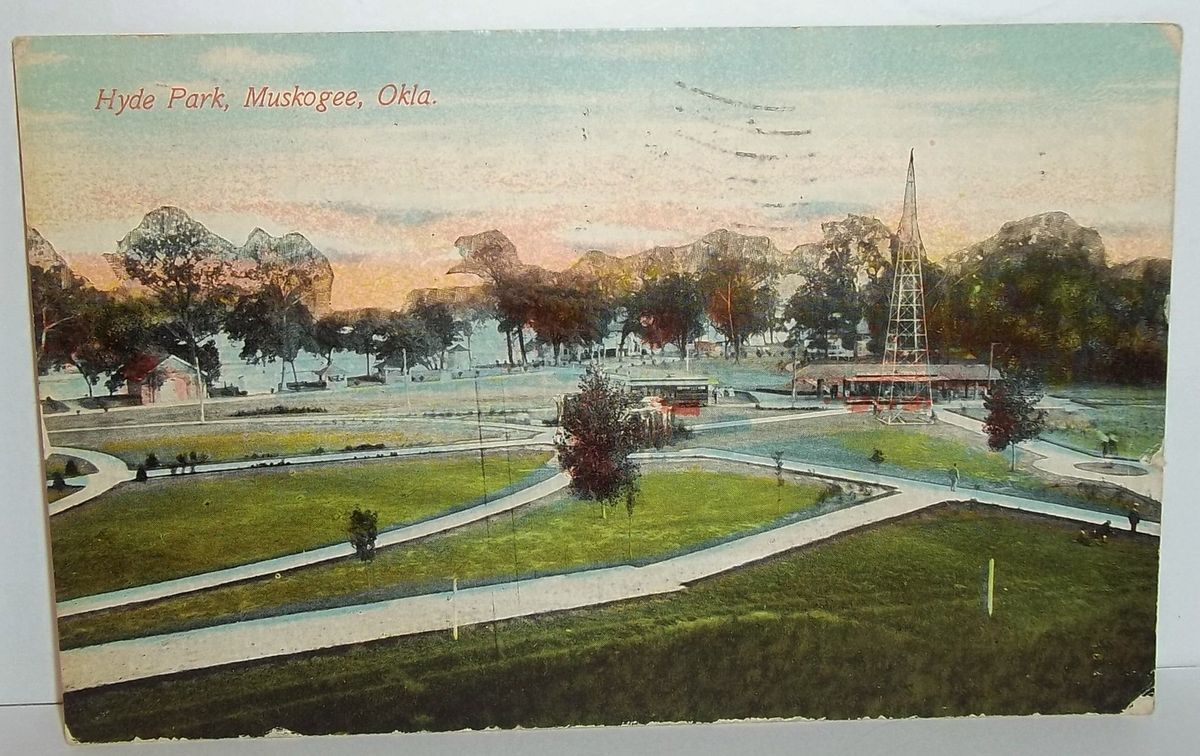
[(991, 359), (794, 377), (407, 382)]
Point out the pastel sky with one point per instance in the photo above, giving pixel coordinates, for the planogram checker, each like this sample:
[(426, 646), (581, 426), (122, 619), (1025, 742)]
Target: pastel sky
[(568, 141)]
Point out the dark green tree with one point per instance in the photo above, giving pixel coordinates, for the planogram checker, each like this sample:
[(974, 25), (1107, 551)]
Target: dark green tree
[(56, 298), (272, 324), (363, 529), (366, 330), (568, 312), (668, 310), (407, 339), (826, 307), (191, 283), (329, 335), (440, 327)]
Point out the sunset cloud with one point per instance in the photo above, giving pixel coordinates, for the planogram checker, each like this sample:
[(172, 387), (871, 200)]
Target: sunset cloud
[(567, 141)]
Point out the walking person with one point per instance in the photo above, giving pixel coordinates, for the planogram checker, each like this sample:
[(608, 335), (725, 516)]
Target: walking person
[(954, 477), (1134, 518)]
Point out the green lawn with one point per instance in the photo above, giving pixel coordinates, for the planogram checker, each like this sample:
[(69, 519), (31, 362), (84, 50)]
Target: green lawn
[(54, 494), (675, 511), (924, 452), (165, 528), (261, 438), (1136, 416), (499, 396), (920, 452), (57, 463), (882, 622)]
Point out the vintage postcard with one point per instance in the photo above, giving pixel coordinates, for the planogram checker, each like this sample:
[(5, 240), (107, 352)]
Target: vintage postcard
[(431, 381)]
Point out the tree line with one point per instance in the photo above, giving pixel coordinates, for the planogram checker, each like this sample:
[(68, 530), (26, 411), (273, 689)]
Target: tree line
[(1037, 300), (188, 294)]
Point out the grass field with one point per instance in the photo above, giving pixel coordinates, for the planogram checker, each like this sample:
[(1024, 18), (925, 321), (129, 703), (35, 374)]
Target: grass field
[(925, 452), (143, 533), (1136, 416), (54, 494), (882, 622), (265, 438), (514, 393), (674, 511), (57, 463)]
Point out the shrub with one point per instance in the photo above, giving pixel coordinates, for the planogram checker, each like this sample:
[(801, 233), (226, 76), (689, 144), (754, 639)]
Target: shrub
[(365, 447), (278, 409), (151, 461), (362, 529), (877, 457), (71, 468), (141, 476), (58, 484)]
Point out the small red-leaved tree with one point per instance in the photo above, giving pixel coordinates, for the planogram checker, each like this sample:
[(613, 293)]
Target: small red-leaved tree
[(1012, 413), (598, 437)]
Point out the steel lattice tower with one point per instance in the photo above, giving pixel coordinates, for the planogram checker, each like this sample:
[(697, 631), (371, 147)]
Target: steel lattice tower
[(909, 394)]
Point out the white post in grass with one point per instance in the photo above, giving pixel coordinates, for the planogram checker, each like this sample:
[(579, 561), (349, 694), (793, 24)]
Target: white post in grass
[(454, 610), (991, 585)]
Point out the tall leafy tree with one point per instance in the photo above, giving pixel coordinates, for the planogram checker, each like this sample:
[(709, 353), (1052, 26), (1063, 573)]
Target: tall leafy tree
[(667, 310), (1012, 413), (570, 312), (272, 325), (825, 307), (440, 326), (272, 318), (329, 335), (366, 330), (407, 339), (57, 300), (735, 288), (111, 331), (192, 284)]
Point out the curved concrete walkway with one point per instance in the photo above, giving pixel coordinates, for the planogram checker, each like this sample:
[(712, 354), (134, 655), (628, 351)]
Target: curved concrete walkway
[(231, 643), (752, 421), (544, 439), (308, 419), (109, 472), (215, 578), (1059, 460), (112, 470), (266, 567)]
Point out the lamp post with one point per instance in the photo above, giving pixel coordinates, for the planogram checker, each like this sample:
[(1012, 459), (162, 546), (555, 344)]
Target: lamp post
[(407, 387), (793, 377), (991, 359)]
